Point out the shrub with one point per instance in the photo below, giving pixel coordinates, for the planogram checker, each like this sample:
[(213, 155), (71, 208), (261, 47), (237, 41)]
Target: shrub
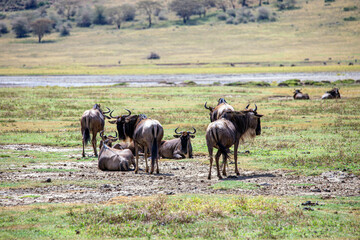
[(292, 82), (263, 14), (329, 1), (21, 27), (64, 31), (153, 56), (99, 16), (245, 15), (2, 16), (162, 15), (222, 16), (286, 5), (230, 20), (351, 18), (84, 19), (129, 12), (3, 28), (352, 8), (31, 4), (231, 12)]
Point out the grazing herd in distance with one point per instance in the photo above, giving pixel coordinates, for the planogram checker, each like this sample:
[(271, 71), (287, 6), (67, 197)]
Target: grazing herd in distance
[(139, 133), (333, 93)]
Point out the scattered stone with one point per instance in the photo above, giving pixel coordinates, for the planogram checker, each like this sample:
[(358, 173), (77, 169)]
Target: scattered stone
[(170, 193), (309, 203), (48, 180), (308, 209), (24, 166), (77, 231)]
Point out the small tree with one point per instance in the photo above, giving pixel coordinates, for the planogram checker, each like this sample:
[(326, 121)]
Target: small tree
[(84, 18), (3, 28), (149, 7), (21, 27), (41, 27), (185, 8)]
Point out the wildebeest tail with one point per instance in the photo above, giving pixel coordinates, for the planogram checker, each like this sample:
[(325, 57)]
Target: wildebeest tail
[(223, 150), (154, 147), (86, 133)]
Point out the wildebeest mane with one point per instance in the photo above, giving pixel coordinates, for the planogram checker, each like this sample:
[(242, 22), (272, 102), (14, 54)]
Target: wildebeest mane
[(239, 119), (130, 125)]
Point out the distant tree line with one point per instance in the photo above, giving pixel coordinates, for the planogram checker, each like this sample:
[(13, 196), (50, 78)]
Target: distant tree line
[(67, 13)]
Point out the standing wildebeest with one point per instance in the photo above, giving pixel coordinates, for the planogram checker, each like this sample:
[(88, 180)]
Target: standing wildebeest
[(230, 130), (299, 95), (178, 148), (112, 159), (92, 121), (146, 133), (333, 93), (216, 112)]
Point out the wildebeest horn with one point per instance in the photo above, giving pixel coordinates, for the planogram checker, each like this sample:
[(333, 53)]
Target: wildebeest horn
[(194, 131), (113, 136), (206, 106), (112, 115), (176, 131), (107, 111), (255, 108), (247, 106), (128, 111)]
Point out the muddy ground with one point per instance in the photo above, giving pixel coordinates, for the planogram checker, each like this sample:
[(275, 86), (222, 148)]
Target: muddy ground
[(77, 181)]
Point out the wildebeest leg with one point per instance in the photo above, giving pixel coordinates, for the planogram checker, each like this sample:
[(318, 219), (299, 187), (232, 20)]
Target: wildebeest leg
[(137, 157), (83, 142), (146, 159), (217, 156), (210, 149), (236, 145), (94, 143), (224, 164)]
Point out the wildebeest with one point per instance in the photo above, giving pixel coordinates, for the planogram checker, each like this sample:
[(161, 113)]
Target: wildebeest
[(144, 132), (299, 95), (112, 159), (230, 130), (333, 93), (216, 112), (92, 121), (178, 148)]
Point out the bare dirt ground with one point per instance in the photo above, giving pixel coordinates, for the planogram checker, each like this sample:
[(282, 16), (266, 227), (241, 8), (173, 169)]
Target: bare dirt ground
[(78, 181)]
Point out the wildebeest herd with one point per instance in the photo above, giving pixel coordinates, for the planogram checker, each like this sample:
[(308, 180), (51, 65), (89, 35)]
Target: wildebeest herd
[(143, 135)]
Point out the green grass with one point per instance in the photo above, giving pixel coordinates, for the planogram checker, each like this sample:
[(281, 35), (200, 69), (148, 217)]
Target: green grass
[(186, 216), (307, 137), (228, 184)]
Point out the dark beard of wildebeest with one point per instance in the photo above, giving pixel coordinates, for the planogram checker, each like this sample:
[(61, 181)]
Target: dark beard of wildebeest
[(217, 112), (299, 95), (178, 148), (232, 128), (111, 159), (333, 93), (144, 132), (92, 121)]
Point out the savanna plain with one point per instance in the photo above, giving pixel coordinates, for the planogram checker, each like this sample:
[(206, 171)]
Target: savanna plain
[(298, 179)]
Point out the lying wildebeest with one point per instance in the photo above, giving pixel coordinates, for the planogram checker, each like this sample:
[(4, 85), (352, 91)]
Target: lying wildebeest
[(299, 95), (216, 112), (92, 121), (112, 159), (178, 148), (333, 93), (230, 130), (145, 132)]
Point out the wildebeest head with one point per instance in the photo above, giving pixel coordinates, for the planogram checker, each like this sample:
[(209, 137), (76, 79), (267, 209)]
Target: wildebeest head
[(120, 123), (184, 138), (334, 92), (216, 112), (245, 120), (107, 140), (98, 107)]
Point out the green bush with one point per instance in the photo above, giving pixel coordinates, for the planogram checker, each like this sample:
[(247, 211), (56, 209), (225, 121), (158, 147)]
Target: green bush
[(292, 82), (222, 16), (3, 28), (352, 8), (351, 18)]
